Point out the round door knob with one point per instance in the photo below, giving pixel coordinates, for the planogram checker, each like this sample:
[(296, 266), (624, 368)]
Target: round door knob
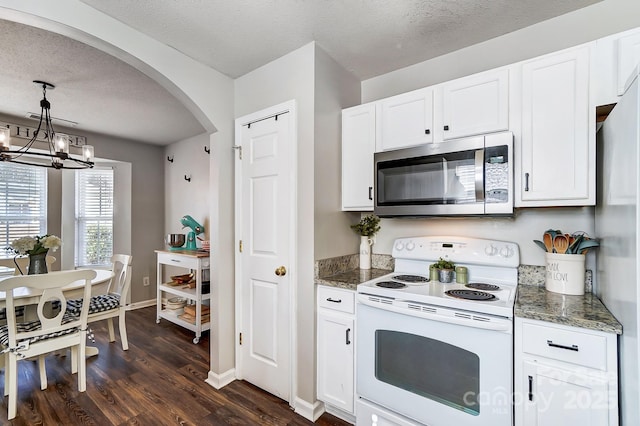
[(281, 271)]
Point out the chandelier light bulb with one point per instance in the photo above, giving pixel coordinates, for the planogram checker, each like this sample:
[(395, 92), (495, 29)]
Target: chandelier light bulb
[(5, 138), (62, 143), (87, 153)]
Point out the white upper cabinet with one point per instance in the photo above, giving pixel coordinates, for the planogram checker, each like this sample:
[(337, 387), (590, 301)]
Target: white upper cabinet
[(557, 146), (358, 145), (628, 57), (616, 57), (473, 105), (405, 120)]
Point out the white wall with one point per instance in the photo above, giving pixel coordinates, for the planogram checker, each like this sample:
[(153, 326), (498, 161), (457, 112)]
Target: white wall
[(184, 197), (335, 89)]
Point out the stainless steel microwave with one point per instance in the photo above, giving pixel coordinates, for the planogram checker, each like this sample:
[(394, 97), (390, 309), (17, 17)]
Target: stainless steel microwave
[(472, 176)]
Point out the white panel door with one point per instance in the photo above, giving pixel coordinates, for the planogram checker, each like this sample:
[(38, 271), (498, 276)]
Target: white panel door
[(558, 132), (265, 168), (405, 120), (473, 105)]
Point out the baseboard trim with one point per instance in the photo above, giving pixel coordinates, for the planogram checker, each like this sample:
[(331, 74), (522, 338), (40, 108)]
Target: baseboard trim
[(221, 380), (143, 304), (307, 410), (347, 417)]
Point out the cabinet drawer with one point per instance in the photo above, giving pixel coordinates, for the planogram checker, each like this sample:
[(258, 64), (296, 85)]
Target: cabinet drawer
[(184, 261), (565, 345), (336, 299)]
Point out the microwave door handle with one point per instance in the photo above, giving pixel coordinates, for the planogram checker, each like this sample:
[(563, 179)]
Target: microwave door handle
[(479, 172)]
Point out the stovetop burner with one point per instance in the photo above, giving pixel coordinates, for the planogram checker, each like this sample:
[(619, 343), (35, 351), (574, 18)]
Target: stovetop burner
[(483, 286), (471, 295), (390, 284), (411, 278)]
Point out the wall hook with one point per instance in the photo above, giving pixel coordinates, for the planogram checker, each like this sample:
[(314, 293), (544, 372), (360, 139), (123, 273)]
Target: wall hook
[(170, 159), (187, 178), (206, 149)]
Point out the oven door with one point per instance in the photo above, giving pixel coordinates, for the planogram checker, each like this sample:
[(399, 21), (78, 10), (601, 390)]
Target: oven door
[(439, 373)]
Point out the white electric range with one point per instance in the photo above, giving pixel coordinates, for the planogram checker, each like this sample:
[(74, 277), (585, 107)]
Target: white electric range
[(438, 353)]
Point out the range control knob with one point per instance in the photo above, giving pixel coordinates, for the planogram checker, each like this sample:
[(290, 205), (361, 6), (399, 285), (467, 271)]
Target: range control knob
[(506, 251), (399, 246), (410, 246), (491, 250)]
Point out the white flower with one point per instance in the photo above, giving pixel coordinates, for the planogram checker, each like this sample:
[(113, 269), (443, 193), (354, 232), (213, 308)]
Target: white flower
[(36, 245), (23, 245), (51, 242)]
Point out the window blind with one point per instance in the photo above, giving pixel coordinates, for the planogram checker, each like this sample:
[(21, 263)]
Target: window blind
[(23, 203), (94, 217)]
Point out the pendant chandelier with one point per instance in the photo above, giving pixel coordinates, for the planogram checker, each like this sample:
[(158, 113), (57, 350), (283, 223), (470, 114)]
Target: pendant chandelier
[(58, 156)]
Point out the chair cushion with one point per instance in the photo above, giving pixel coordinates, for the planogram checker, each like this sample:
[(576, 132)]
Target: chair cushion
[(100, 303), (3, 312), (35, 325)]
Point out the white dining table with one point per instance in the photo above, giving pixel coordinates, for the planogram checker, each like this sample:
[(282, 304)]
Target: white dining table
[(26, 296)]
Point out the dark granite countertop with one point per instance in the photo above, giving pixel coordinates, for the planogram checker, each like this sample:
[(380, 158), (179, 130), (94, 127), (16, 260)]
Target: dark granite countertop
[(587, 311), (350, 279)]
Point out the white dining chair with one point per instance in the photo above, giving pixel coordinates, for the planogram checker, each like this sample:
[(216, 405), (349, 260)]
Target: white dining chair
[(114, 302), (20, 340), (20, 266)]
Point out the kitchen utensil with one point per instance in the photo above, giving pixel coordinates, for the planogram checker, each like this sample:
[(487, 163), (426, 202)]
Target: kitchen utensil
[(540, 244), (175, 241), (548, 241), (560, 243)]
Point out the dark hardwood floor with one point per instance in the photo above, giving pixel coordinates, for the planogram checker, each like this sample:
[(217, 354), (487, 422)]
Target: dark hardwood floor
[(158, 381)]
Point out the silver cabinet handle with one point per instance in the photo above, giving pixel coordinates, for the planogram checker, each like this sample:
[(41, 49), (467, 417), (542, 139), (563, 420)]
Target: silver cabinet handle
[(526, 181), (556, 345)]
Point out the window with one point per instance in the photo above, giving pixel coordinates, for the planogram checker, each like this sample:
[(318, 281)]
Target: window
[(94, 217), (23, 203)]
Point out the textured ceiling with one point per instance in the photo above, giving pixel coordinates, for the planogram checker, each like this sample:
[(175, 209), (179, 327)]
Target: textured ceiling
[(368, 37)]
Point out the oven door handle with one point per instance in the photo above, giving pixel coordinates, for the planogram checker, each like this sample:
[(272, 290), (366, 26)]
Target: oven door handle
[(504, 325)]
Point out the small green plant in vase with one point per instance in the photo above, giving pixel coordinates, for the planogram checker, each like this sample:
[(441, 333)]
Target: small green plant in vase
[(366, 228), (445, 270)]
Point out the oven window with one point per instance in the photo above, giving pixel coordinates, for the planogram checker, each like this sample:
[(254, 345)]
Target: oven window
[(430, 368)]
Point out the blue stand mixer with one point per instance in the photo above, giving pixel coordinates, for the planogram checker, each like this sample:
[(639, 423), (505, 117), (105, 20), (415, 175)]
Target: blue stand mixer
[(196, 229)]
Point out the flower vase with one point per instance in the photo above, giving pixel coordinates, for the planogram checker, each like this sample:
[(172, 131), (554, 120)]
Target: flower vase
[(37, 264), (365, 252)]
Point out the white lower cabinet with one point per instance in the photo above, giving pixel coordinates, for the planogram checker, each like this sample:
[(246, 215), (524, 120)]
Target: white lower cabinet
[(336, 333), (564, 375)]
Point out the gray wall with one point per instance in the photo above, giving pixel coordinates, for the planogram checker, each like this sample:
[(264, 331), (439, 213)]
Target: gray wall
[(147, 210)]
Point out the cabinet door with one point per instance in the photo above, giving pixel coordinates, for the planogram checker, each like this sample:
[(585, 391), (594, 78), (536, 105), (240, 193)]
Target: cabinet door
[(628, 58), (555, 396), (405, 120), (358, 144), (335, 360), (475, 105), (558, 132)]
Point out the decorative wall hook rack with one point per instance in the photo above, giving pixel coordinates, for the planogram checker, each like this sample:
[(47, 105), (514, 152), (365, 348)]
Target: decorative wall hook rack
[(207, 150), (170, 159), (187, 178)]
